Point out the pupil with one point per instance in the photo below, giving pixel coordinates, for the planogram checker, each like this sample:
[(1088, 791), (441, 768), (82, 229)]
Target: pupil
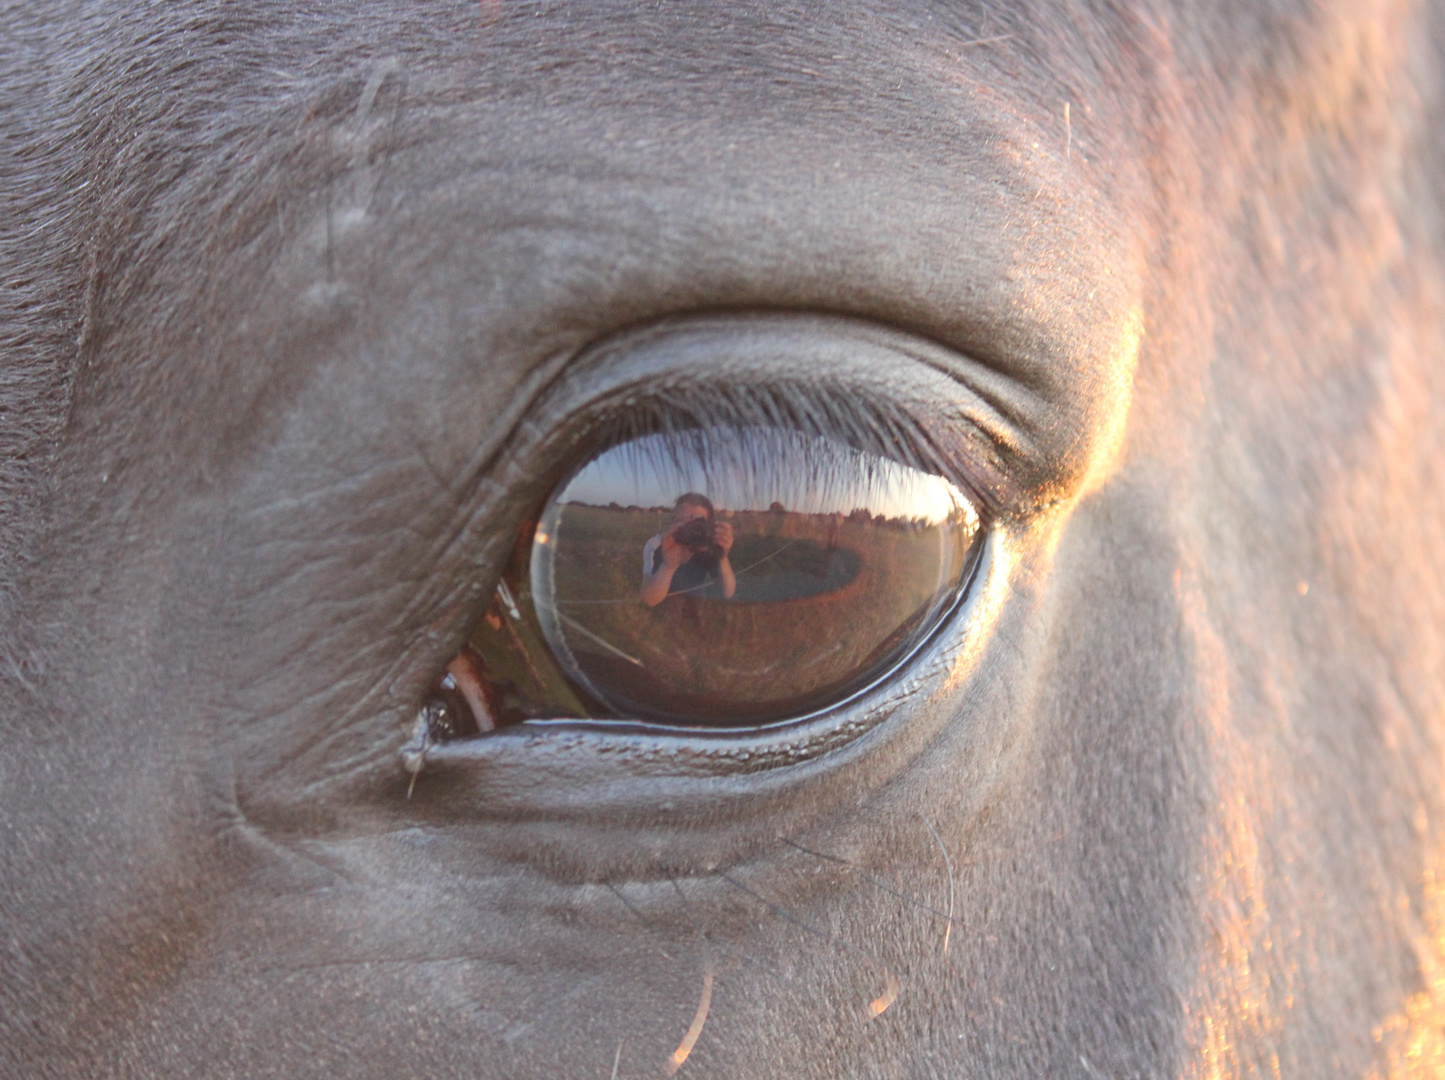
[(730, 578)]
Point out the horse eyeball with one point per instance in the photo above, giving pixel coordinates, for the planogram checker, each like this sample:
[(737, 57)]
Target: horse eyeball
[(721, 578)]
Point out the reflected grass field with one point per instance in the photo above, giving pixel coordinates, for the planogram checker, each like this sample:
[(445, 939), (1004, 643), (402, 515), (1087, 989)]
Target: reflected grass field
[(820, 597)]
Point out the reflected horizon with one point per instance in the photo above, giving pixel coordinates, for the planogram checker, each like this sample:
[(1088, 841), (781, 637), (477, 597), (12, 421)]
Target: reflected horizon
[(732, 577)]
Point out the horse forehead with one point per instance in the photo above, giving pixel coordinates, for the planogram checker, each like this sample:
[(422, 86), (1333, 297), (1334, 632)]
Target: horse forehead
[(460, 203)]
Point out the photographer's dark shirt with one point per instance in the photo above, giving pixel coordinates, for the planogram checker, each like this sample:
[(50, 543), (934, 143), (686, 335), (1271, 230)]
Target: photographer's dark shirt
[(699, 576)]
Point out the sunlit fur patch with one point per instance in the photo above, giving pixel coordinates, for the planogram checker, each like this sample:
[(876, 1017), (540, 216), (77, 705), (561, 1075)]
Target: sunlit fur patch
[(1113, 415), (1414, 1038), (1230, 1003)]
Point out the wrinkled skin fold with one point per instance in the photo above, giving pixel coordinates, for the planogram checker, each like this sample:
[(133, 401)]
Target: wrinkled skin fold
[(302, 314)]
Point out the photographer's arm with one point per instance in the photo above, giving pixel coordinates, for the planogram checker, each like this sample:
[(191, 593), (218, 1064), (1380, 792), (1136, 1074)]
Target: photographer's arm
[(723, 536), (655, 586), (728, 581), (656, 583)]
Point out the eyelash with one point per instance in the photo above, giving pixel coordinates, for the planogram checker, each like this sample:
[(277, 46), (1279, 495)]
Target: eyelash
[(829, 412)]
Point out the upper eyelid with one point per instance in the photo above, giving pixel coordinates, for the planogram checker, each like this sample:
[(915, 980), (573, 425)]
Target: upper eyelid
[(882, 390)]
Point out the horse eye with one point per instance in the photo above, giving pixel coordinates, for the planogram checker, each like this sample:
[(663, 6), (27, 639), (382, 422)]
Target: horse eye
[(715, 578)]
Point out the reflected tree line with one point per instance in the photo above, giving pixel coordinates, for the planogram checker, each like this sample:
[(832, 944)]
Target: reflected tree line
[(777, 511)]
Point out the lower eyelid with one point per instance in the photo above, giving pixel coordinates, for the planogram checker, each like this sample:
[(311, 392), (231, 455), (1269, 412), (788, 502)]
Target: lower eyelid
[(580, 776)]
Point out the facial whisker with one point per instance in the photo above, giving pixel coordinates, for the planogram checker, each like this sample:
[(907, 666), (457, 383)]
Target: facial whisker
[(948, 866), (880, 1004), (877, 884), (734, 951), (640, 917)]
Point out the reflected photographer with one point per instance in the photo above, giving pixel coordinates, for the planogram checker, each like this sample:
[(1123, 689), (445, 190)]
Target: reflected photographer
[(691, 556)]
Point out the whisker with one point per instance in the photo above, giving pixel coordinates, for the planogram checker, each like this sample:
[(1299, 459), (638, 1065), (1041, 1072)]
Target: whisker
[(734, 951), (601, 641), (639, 916), (879, 1004), (948, 864), (616, 1060), (699, 1018), (883, 886)]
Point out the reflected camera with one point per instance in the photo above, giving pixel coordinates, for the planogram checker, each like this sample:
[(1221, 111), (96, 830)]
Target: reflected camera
[(697, 536)]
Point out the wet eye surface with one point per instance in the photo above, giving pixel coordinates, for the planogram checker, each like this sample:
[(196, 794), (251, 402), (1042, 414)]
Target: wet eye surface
[(717, 578)]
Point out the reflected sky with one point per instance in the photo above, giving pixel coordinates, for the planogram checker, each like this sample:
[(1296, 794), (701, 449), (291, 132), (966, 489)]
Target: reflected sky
[(753, 468)]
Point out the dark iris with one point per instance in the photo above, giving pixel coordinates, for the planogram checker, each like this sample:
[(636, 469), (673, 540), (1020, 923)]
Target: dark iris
[(448, 716), (724, 578)]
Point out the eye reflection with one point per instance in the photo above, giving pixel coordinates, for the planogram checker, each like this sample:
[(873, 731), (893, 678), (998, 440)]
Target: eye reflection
[(726, 577)]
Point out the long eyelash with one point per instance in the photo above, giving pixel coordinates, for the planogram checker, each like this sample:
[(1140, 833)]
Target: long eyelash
[(884, 429)]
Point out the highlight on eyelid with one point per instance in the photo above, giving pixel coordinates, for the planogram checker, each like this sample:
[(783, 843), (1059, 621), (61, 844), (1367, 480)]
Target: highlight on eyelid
[(720, 577)]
